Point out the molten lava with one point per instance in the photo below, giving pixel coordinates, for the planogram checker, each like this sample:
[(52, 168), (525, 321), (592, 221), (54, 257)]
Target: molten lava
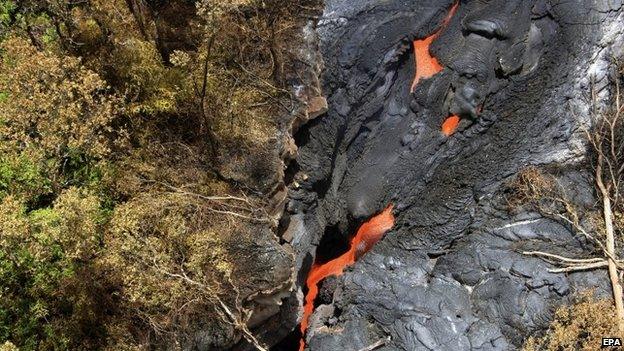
[(450, 125), (366, 237), (427, 65)]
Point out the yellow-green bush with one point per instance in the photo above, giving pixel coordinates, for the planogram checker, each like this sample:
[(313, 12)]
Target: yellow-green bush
[(55, 121), (173, 261), (52, 104)]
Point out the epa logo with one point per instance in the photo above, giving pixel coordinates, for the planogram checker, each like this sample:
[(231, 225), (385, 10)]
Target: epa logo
[(611, 342)]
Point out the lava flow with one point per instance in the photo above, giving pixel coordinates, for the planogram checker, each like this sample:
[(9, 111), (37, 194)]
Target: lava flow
[(366, 237), (450, 125), (427, 66)]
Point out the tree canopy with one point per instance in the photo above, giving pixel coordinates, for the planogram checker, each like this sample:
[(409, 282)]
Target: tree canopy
[(137, 148)]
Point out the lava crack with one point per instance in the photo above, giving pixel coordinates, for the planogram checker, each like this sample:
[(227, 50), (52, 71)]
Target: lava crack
[(365, 238)]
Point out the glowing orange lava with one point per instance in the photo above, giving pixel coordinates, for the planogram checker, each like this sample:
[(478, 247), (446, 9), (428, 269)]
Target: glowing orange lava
[(427, 65), (366, 237), (450, 125)]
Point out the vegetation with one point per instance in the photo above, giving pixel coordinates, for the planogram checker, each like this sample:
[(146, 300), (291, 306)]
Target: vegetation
[(580, 326), (600, 224), (137, 147)]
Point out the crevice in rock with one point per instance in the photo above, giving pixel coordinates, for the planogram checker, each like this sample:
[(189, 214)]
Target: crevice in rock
[(290, 342), (368, 234), (333, 244)]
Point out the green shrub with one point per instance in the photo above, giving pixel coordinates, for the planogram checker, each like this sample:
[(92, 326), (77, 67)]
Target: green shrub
[(20, 176), (41, 253)]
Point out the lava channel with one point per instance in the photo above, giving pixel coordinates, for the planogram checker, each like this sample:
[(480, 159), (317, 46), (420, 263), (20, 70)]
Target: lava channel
[(366, 237)]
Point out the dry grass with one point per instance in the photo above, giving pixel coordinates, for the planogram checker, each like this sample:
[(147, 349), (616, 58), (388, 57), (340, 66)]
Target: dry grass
[(530, 185)]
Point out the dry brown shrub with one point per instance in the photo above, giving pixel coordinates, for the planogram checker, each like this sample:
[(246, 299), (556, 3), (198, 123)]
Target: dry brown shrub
[(529, 186), (579, 326)]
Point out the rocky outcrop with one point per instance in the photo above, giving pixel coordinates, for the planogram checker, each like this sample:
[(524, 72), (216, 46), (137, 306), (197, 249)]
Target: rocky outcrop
[(275, 311)]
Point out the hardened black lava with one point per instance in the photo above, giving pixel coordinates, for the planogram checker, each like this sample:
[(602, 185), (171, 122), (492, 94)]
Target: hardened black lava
[(450, 275)]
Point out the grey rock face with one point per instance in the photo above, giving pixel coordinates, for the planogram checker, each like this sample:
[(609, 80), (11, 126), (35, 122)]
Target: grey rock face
[(451, 274)]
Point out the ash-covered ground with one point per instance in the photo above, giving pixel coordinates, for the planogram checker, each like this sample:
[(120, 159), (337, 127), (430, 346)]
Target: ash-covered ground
[(450, 275)]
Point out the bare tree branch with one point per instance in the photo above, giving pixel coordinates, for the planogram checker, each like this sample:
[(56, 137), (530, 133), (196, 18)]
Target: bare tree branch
[(379, 343)]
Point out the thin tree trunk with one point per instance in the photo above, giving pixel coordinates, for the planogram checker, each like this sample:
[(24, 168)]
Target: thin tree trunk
[(608, 218), (278, 65), (140, 12)]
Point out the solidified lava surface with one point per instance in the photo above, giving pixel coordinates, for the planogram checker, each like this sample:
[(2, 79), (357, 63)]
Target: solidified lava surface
[(449, 275)]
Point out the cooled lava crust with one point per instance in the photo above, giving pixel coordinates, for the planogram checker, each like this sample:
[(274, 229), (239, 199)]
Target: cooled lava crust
[(449, 275)]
